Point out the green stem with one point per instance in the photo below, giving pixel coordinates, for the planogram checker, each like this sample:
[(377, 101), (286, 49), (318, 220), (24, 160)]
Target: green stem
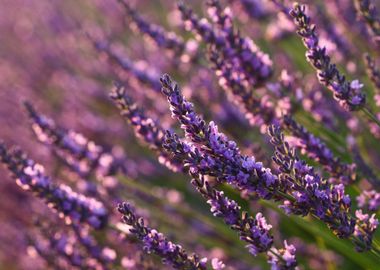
[(370, 115), (275, 254)]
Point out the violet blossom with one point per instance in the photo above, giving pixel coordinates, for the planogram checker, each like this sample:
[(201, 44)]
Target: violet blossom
[(70, 205), (368, 11), (211, 153), (310, 193), (256, 67), (374, 74), (365, 227), (146, 129), (143, 76), (348, 94), (331, 204), (155, 242), (167, 40), (369, 200), (253, 230), (285, 258), (215, 148), (80, 154), (317, 150)]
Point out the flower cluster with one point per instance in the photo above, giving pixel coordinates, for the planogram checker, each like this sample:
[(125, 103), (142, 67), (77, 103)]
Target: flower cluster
[(129, 66), (369, 200), (213, 154), (374, 74), (284, 258), (216, 154), (368, 11), (310, 193), (250, 62), (72, 206), (163, 39), (347, 93), (253, 230), (80, 154), (364, 229), (145, 128), (156, 242), (317, 150)]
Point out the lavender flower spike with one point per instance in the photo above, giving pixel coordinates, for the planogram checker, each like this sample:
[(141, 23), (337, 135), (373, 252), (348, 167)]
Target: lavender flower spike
[(145, 128), (222, 156), (71, 205), (369, 200), (374, 74), (156, 242), (104, 255), (317, 150), (255, 66), (168, 40), (368, 11), (143, 76), (254, 231), (348, 94), (284, 259), (364, 229), (80, 154), (257, 111), (310, 193)]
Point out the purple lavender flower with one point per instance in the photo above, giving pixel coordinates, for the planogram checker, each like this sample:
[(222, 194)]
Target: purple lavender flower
[(167, 40), (145, 128), (221, 157), (368, 11), (155, 242), (253, 230), (317, 150), (284, 259), (374, 74), (369, 200), (330, 202), (343, 47), (348, 94), (258, 112), (211, 153), (256, 9), (310, 193), (256, 67), (142, 75), (364, 229), (71, 205), (80, 154), (62, 245), (103, 255)]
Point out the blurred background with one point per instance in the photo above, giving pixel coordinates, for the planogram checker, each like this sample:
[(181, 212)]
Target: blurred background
[(49, 57)]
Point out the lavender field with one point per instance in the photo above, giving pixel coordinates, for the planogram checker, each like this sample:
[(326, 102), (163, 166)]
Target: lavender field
[(194, 135)]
